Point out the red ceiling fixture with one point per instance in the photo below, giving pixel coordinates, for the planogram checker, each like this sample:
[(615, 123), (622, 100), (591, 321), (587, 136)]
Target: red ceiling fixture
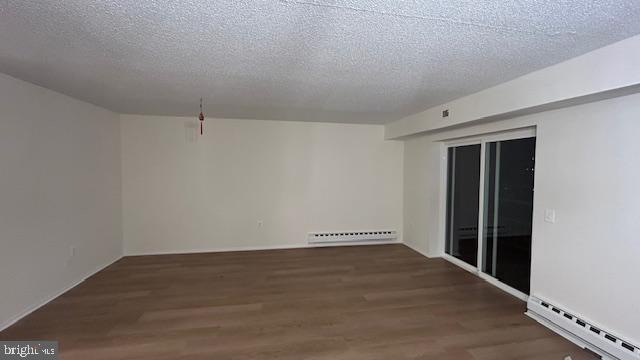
[(201, 117)]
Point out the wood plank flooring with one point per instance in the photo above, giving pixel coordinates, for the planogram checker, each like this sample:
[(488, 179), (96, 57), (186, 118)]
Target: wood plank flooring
[(367, 302)]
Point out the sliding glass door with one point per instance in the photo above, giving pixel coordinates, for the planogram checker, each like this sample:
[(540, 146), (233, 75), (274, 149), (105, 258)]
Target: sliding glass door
[(508, 211), (491, 183), (463, 183)]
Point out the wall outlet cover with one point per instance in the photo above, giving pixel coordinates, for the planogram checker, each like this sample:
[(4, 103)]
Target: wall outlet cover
[(550, 216)]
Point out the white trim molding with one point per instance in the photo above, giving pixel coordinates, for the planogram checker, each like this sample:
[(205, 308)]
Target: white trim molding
[(486, 277), (259, 248)]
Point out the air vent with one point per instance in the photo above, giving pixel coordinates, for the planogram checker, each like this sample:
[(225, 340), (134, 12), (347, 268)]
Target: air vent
[(581, 331), (352, 236)]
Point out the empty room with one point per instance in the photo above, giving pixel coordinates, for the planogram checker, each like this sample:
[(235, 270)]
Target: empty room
[(319, 179)]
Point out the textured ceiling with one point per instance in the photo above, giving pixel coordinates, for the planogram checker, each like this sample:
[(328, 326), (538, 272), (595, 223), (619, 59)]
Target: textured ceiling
[(316, 60)]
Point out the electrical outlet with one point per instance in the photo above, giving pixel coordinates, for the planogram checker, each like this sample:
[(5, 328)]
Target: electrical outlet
[(260, 223)]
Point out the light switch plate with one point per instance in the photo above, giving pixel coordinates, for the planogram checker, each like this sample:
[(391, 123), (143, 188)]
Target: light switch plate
[(550, 216)]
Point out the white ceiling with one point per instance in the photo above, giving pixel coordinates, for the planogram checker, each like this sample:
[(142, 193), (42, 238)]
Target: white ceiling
[(315, 60)]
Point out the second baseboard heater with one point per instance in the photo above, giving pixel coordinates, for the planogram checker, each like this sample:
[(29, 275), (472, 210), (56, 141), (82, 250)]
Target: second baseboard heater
[(580, 331), (336, 237)]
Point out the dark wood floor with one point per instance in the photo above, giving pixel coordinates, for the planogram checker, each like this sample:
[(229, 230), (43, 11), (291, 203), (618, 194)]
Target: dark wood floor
[(368, 302)]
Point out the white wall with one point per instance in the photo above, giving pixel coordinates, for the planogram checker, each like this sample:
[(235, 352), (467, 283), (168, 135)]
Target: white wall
[(186, 193), (421, 212), (59, 188), (587, 170)]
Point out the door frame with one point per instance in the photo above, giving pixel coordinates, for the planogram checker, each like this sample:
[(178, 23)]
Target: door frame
[(482, 140)]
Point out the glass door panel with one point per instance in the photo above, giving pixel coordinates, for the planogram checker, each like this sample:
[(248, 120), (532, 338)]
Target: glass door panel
[(463, 191), (508, 211)]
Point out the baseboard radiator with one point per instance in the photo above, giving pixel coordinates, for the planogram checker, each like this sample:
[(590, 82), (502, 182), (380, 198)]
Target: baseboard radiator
[(369, 236), (581, 332)]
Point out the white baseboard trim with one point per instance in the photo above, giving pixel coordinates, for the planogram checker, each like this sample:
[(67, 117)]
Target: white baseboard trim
[(504, 287), (258, 248), (423, 253), (4, 325), (461, 264), (474, 270), (486, 277)]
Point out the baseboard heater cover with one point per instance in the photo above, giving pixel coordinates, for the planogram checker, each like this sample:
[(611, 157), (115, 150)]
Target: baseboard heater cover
[(352, 236), (581, 331)]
